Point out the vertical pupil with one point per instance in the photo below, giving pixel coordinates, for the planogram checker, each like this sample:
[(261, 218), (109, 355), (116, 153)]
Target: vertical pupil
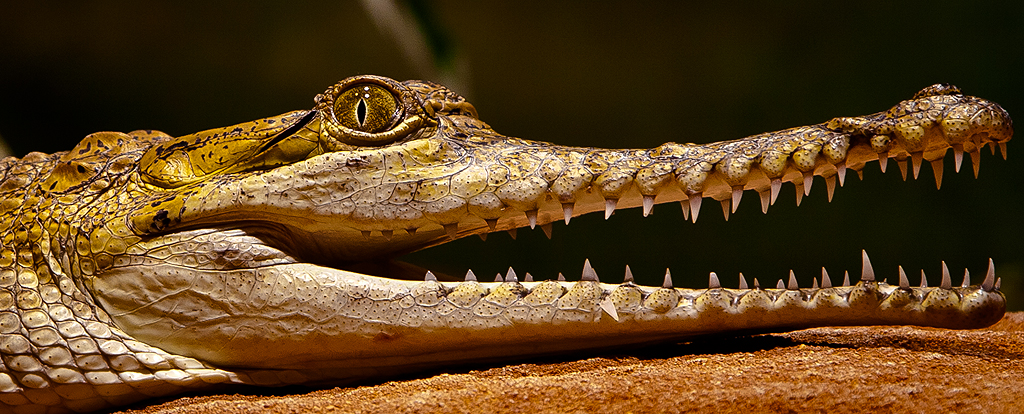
[(361, 112)]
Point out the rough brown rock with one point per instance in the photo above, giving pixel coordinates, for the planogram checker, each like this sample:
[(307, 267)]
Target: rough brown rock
[(864, 369)]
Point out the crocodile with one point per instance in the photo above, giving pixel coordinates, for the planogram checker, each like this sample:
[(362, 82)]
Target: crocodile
[(139, 265)]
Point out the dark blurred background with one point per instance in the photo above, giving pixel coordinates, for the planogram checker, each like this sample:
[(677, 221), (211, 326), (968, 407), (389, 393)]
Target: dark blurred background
[(611, 74)]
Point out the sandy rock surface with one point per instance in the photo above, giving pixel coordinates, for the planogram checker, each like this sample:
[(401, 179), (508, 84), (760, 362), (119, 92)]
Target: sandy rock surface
[(865, 369)]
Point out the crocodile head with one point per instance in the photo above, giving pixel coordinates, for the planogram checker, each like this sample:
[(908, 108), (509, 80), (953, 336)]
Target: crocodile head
[(257, 235)]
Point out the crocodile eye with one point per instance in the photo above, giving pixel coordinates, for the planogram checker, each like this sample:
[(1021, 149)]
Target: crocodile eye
[(367, 108)]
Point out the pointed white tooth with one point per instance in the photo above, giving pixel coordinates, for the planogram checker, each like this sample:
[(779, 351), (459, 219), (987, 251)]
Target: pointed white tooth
[(695, 200), (947, 282), (588, 272), (792, 282), (808, 180), (667, 283), (765, 199), (867, 274), (532, 217), (492, 224), (967, 279), (452, 230), (743, 281), (999, 283), (429, 276), (903, 167), (990, 275), (846, 278), (814, 283), (528, 277), (387, 234), (883, 159), (1002, 149), (915, 159), (725, 209), (713, 282), (924, 279), (629, 276), (737, 195), (776, 186), (609, 207), (826, 282), (830, 184), (904, 282), (780, 285), (757, 285), (976, 161), (799, 186), (648, 205), (841, 172), (511, 276), (561, 277), (512, 232), (483, 236), (958, 156), (608, 306), (567, 211), (470, 277), (498, 278), (685, 204), (937, 170), (546, 228)]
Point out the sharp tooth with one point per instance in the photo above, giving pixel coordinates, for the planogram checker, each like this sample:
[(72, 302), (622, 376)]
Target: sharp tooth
[(883, 159), (967, 279), (826, 282), (667, 283), (387, 234), (937, 170), (991, 147), (990, 275), (547, 230), (492, 224), (867, 274), (366, 234), (561, 277), (685, 204), (609, 207), (846, 278), (830, 184), (808, 180), (976, 161), (841, 172), (512, 232), (483, 236), (904, 282), (1002, 149), (470, 277), (958, 156), (609, 307), (924, 279), (429, 276), (411, 231), (792, 282), (946, 283), (765, 199), (588, 272), (648, 205), (528, 277), (629, 276), (737, 195), (743, 282), (860, 174), (776, 186), (695, 200), (532, 217), (567, 211), (814, 283), (799, 186), (498, 278), (757, 285), (725, 209), (915, 158), (452, 229), (713, 282), (903, 167), (511, 276), (999, 283), (780, 285)]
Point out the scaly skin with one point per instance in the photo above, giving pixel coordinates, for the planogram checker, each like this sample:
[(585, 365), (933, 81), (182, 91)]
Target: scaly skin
[(139, 264)]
